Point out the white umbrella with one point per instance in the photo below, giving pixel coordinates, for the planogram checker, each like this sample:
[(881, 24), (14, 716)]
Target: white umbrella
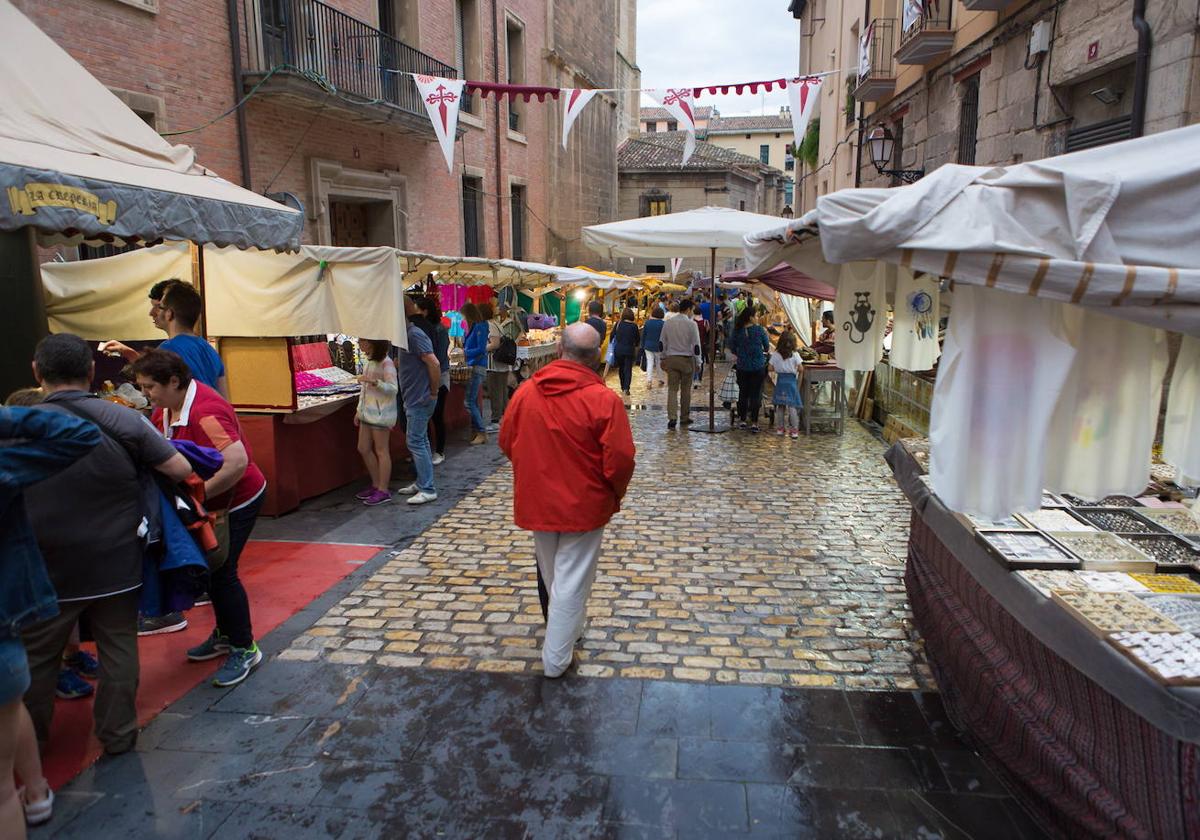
[(706, 231)]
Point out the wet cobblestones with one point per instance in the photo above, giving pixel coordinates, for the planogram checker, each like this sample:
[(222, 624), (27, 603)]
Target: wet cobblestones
[(737, 558)]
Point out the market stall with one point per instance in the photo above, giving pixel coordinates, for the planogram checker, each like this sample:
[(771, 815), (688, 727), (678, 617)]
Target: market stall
[(1064, 638)]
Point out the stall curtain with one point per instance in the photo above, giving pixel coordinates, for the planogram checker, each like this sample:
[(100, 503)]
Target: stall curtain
[(797, 310), (355, 291), (107, 298), (1181, 431)]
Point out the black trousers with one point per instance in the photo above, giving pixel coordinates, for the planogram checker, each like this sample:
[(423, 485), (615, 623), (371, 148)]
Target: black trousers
[(625, 371), (750, 388), (229, 601)]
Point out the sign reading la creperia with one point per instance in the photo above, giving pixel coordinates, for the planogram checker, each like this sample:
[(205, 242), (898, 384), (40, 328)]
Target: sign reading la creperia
[(25, 200)]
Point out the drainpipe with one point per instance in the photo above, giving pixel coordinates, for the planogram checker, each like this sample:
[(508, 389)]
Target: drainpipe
[(235, 41), (499, 175), (862, 112), (1141, 70)]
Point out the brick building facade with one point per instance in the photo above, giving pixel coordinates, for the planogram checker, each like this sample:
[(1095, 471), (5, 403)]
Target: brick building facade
[(329, 124), (991, 82)]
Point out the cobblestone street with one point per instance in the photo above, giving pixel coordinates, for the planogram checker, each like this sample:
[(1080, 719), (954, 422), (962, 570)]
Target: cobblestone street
[(737, 558)]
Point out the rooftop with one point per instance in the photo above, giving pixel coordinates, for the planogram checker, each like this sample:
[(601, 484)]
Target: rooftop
[(740, 125), (703, 112), (664, 150)]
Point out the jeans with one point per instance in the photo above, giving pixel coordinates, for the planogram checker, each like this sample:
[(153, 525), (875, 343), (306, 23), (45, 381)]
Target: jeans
[(625, 371), (439, 421), (229, 601), (417, 438), (474, 386), (750, 388), (113, 622)]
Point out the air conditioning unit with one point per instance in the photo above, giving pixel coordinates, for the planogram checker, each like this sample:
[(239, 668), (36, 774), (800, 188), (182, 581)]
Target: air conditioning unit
[(1039, 37)]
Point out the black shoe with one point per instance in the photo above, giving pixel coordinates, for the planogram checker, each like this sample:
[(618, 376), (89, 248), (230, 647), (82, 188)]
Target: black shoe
[(686, 421), (670, 425)]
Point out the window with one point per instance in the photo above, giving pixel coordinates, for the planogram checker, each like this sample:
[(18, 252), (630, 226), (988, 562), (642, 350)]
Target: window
[(514, 50), (968, 120), (741, 205), (472, 201), (651, 127), (672, 125), (764, 153), (466, 45), (518, 222), (656, 269), (789, 162), (788, 193), (747, 136), (897, 150), (655, 203)]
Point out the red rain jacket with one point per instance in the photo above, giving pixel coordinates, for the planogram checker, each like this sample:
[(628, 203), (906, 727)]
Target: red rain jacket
[(571, 447)]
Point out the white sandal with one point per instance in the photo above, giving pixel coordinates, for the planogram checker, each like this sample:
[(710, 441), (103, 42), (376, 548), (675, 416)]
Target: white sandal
[(38, 813)]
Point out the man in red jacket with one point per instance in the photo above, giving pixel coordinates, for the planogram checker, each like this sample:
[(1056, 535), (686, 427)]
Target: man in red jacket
[(572, 453)]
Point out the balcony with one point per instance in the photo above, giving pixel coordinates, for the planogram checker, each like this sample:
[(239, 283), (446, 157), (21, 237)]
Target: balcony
[(927, 35), (325, 59), (986, 5), (876, 66)]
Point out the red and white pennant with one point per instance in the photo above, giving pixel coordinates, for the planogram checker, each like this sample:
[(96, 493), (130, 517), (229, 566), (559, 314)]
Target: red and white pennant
[(574, 101), (803, 95), (442, 98), (678, 102)]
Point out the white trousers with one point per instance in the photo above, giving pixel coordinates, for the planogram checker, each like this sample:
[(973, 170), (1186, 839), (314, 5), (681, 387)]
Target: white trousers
[(654, 371), (568, 565)]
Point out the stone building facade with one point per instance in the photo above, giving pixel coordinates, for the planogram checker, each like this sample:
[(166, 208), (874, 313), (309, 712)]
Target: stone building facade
[(653, 183), (329, 124), (768, 138), (989, 82)]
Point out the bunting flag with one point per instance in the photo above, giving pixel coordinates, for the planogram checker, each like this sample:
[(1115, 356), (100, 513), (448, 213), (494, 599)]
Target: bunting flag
[(678, 102), (442, 98), (574, 101), (864, 51), (804, 95), (676, 262)]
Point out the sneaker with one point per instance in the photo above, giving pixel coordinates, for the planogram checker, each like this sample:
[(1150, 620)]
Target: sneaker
[(83, 664), (37, 813), (364, 494), (494, 426), (155, 625), (204, 600), (795, 433), (408, 489), (212, 647), (670, 425), (421, 498), (238, 665), (438, 458), (378, 498), (71, 686), (781, 431), (478, 439)]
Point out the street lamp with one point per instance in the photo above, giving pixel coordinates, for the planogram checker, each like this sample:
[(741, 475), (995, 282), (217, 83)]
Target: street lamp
[(787, 211), (882, 145)]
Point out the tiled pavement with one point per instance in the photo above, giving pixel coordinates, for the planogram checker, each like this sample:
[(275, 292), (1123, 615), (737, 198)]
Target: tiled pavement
[(737, 559), (313, 750), (796, 558)]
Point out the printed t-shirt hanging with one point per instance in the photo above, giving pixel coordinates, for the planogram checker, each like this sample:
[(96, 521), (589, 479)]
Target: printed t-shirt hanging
[(915, 330), (1005, 363), (1101, 437), (860, 315)]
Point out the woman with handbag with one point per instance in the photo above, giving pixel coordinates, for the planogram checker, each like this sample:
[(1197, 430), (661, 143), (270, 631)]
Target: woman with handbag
[(476, 354), (750, 346), (625, 341)]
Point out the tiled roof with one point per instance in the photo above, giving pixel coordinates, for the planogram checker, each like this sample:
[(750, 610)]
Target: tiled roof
[(664, 150), (703, 112), (776, 122)]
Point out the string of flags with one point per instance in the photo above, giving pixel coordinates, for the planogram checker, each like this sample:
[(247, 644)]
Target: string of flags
[(443, 98)]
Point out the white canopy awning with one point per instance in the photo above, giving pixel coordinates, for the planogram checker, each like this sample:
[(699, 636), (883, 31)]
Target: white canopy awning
[(691, 233), (1113, 228), (76, 164)]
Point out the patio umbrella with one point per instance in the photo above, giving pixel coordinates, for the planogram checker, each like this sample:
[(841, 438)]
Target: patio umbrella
[(706, 231)]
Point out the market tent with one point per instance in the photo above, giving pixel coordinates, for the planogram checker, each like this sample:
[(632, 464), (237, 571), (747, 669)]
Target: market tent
[(787, 280), (77, 164), (1112, 228), (472, 271), (356, 291), (706, 231)]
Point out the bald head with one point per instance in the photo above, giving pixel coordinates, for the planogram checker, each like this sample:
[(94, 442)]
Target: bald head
[(581, 343)]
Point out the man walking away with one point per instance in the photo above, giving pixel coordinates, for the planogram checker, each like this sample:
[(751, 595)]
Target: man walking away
[(420, 378), (572, 452), (681, 344), (91, 520), (596, 320)]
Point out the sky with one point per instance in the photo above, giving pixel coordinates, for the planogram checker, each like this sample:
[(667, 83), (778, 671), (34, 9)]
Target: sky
[(687, 43)]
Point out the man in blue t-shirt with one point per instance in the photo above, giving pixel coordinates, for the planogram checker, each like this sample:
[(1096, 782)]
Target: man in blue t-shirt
[(420, 379), (178, 314)]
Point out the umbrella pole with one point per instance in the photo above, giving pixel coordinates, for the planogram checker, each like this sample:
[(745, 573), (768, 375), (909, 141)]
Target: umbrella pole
[(712, 345)]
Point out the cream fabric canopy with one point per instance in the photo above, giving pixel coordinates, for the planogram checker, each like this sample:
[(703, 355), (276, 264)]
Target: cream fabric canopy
[(1113, 228), (356, 291), (691, 233), (76, 163)]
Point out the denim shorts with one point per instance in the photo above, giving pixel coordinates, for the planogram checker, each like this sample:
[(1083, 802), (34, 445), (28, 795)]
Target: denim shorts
[(14, 671)]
